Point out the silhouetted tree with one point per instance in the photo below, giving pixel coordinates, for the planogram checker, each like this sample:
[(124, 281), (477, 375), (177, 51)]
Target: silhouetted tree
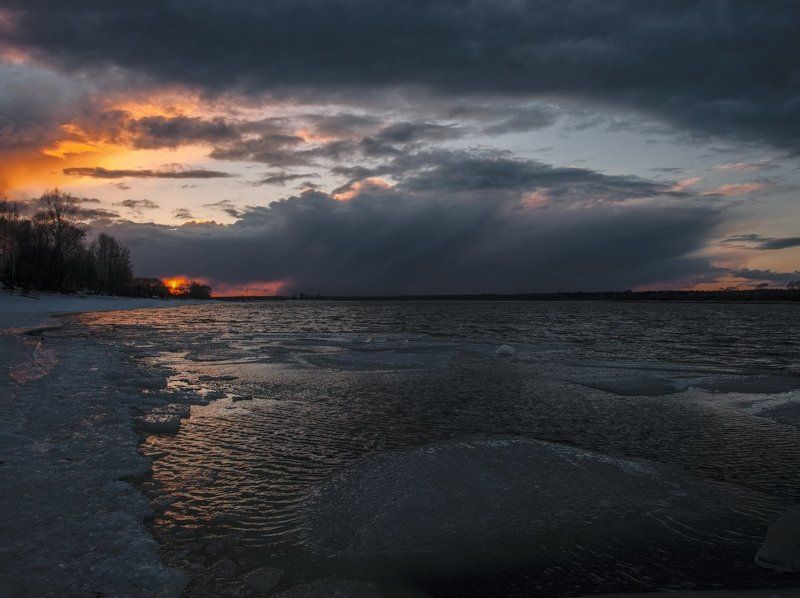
[(48, 251), (112, 264), (9, 242), (61, 238), (148, 287), (199, 291)]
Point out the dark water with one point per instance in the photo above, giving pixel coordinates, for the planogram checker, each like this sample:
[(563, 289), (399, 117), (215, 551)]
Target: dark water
[(307, 459)]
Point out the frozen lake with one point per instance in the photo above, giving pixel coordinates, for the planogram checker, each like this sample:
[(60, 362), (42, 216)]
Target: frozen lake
[(394, 448)]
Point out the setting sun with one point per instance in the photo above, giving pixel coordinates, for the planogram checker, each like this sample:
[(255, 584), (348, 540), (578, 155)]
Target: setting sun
[(178, 285)]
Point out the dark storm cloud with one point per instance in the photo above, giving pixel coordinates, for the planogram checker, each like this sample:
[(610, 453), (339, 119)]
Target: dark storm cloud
[(477, 174), (154, 132), (455, 236), (780, 243), (754, 241), (720, 67), (775, 278), (283, 149), (33, 103), (104, 173), (276, 149)]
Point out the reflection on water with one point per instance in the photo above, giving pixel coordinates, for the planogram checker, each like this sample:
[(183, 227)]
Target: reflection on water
[(308, 392), (32, 359)]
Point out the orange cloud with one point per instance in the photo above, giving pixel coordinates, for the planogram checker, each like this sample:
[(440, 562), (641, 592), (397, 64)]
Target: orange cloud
[(733, 189), (535, 199), (685, 184), (81, 143), (744, 166), (350, 191)]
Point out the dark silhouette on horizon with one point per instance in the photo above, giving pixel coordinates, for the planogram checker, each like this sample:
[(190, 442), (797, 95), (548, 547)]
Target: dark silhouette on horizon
[(49, 252)]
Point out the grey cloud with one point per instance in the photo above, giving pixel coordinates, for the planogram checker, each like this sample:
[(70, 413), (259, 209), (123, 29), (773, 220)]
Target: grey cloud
[(92, 214), (225, 205), (159, 131), (343, 124), (523, 120), (771, 276), (408, 132), (780, 243), (419, 238), (183, 214), (479, 174), (138, 204), (713, 67), (273, 148), (281, 178), (33, 103), (104, 173), (755, 241)]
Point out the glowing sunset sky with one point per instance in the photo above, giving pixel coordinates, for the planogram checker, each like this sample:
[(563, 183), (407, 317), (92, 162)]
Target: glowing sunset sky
[(415, 147)]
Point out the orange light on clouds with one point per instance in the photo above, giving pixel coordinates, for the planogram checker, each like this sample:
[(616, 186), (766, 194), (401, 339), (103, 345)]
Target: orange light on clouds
[(535, 199), (359, 186), (734, 189), (28, 169), (309, 136), (684, 184)]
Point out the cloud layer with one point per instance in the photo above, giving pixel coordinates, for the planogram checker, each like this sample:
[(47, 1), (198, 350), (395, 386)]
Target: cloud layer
[(466, 225), (398, 136), (719, 67), (105, 173)]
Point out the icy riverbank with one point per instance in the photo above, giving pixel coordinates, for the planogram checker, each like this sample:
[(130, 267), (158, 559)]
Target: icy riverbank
[(71, 525), (22, 311)]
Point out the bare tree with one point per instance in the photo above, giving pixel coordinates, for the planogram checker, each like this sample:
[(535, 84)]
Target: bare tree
[(57, 219), (9, 245), (112, 262)]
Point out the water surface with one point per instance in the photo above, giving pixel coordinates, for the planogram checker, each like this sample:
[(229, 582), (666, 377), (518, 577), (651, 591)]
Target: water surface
[(313, 400)]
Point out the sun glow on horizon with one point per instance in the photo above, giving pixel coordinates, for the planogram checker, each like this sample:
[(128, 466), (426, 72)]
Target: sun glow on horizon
[(178, 285)]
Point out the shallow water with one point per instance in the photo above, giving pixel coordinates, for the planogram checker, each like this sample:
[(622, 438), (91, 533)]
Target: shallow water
[(321, 399)]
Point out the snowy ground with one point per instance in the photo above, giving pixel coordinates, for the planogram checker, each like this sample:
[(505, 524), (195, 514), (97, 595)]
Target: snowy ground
[(26, 311), (70, 523)]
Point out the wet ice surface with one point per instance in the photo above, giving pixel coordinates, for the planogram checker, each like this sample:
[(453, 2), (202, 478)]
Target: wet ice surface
[(337, 432), (71, 521)]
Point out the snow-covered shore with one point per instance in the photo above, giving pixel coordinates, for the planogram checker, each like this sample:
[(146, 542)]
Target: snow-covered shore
[(23, 311), (71, 525)]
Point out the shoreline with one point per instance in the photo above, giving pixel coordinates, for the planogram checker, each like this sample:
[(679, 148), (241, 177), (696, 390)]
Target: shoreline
[(73, 516), (18, 311)]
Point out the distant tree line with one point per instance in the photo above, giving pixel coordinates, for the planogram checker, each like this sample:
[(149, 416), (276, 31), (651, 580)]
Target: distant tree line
[(760, 294), (49, 251)]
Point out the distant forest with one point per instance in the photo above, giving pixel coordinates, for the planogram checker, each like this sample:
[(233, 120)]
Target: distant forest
[(762, 294), (49, 251)]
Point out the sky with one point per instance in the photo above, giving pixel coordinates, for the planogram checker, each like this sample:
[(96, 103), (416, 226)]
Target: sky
[(436, 146)]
